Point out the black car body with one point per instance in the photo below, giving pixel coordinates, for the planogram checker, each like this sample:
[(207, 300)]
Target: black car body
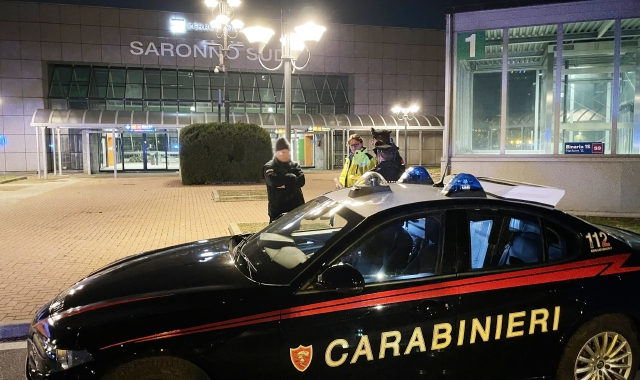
[(396, 282)]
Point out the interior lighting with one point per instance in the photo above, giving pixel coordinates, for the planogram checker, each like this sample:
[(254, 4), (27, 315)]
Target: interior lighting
[(211, 3), (234, 3)]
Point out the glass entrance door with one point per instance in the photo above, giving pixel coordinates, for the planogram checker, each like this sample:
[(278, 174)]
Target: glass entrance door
[(140, 151)]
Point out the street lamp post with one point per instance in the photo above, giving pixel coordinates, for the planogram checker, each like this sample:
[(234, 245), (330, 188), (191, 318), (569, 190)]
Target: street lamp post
[(293, 44), (406, 114), (225, 26)]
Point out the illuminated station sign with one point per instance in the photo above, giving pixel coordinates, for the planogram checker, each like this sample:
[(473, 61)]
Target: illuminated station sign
[(139, 128)]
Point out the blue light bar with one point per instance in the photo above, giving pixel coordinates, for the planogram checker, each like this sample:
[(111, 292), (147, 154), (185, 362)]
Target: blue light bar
[(417, 175), (371, 182), (464, 185)]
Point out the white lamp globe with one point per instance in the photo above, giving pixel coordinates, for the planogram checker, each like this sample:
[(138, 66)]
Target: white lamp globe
[(259, 35), (222, 19), (237, 24)]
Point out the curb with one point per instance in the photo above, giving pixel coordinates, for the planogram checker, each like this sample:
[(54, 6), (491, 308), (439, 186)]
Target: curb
[(12, 180), (234, 229), (19, 331)]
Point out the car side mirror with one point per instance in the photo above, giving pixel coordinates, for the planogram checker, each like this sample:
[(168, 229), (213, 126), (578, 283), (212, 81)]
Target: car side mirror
[(342, 278)]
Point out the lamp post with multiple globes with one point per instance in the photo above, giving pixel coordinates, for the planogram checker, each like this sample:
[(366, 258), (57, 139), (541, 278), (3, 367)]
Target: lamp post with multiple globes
[(294, 42), (406, 114), (226, 26)]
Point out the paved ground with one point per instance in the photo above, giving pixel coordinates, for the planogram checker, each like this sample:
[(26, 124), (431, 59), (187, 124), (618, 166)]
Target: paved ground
[(54, 232)]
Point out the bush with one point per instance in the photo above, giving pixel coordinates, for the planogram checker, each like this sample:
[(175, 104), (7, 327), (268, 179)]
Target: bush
[(221, 152)]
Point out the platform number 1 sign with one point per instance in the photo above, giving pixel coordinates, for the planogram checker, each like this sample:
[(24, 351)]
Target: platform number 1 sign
[(471, 45)]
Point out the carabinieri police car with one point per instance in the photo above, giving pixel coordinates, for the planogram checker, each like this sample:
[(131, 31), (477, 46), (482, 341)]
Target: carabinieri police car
[(481, 279)]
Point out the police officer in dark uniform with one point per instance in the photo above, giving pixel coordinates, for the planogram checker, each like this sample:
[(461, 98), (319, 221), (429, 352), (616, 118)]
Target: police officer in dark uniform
[(386, 155), (284, 181)]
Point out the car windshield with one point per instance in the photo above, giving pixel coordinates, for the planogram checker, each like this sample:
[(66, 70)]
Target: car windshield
[(281, 251)]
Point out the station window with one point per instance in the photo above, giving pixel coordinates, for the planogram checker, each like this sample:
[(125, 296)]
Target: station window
[(546, 106), (628, 111), (587, 84), (530, 85), (478, 90), (151, 89)]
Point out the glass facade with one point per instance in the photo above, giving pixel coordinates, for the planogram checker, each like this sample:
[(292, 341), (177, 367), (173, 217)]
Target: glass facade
[(478, 97), (629, 96), (140, 151), (587, 86), (533, 111), (173, 90)]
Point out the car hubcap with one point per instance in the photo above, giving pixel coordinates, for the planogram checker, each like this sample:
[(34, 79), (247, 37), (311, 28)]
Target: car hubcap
[(606, 356)]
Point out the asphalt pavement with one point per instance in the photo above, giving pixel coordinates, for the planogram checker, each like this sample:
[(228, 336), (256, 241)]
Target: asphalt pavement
[(12, 360)]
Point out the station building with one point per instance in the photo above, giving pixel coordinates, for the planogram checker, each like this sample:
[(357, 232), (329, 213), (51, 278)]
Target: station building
[(543, 94), (78, 82), (549, 94)]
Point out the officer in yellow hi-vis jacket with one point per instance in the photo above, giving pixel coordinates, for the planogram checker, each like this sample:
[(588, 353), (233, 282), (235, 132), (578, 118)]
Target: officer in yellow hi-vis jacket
[(356, 164)]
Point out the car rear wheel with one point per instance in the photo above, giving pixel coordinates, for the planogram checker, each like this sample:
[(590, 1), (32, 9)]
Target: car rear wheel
[(603, 348), (157, 368)]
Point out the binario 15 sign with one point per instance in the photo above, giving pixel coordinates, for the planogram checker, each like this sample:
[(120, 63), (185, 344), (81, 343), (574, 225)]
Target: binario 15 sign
[(584, 148)]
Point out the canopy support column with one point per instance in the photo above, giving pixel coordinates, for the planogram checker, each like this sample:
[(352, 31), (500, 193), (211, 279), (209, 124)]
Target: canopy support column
[(115, 153), (38, 150), (53, 150), (59, 153), (179, 147), (420, 148), (294, 146), (344, 145), (44, 150), (86, 154)]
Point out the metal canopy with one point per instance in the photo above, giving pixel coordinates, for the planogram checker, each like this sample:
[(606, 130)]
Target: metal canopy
[(173, 120)]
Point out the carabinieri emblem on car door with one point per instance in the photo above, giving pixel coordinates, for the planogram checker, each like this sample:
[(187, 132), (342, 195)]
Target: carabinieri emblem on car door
[(301, 357)]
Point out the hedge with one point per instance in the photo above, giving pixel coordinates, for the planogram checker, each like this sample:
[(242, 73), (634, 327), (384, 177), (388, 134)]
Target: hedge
[(221, 152)]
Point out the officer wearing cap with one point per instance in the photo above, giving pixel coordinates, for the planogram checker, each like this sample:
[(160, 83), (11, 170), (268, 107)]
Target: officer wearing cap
[(387, 164), (284, 180)]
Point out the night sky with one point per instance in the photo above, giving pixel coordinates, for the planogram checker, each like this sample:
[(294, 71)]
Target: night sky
[(402, 13)]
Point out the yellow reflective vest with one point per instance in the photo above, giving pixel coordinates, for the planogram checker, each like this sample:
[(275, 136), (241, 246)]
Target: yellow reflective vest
[(356, 165)]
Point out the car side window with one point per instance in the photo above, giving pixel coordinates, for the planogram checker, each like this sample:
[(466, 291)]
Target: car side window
[(504, 239), (560, 242), (403, 249)]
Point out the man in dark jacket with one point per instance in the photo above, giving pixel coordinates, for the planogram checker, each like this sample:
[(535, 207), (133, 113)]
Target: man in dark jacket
[(284, 181), (387, 165)]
